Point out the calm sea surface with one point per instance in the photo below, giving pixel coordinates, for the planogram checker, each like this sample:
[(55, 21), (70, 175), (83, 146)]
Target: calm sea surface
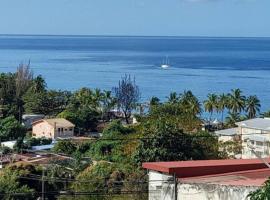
[(202, 65)]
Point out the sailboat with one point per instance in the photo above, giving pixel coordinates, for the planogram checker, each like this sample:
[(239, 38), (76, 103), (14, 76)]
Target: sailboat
[(165, 64)]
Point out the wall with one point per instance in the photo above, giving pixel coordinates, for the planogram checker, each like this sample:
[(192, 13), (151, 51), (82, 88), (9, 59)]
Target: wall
[(161, 187), (213, 192), (43, 129)]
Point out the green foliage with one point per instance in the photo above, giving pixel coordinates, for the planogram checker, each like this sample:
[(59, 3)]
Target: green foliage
[(10, 185), (37, 141), (164, 141), (252, 106), (109, 148), (179, 113), (5, 150), (65, 147), (229, 149), (262, 193), (46, 102), (11, 129)]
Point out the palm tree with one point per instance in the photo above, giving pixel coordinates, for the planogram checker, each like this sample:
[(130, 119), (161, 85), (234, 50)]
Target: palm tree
[(190, 103), (97, 97), (154, 101), (232, 118), (39, 84), (108, 102), (266, 114), (236, 101), (222, 104), (172, 98), (252, 106), (211, 104)]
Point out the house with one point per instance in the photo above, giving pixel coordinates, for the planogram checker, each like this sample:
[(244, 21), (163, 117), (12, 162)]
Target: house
[(205, 179), (28, 119), (253, 134), (53, 128), (229, 134)]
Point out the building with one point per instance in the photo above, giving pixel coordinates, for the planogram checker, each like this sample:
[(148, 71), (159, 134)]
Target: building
[(253, 134), (28, 119), (204, 180), (53, 128)]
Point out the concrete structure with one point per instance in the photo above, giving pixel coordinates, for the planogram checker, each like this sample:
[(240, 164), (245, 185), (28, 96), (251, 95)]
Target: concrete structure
[(9, 144), (225, 135), (204, 180), (53, 128), (253, 133)]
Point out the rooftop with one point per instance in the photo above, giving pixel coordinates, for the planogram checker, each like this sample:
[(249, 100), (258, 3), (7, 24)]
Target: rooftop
[(227, 132), (256, 123), (59, 122), (244, 178), (184, 169)]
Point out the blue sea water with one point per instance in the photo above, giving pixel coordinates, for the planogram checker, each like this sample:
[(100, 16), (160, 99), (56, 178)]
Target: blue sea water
[(201, 64)]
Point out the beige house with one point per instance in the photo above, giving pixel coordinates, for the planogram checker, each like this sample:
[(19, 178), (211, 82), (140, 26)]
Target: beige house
[(53, 128)]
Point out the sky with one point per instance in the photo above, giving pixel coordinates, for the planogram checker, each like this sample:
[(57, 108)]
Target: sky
[(236, 18)]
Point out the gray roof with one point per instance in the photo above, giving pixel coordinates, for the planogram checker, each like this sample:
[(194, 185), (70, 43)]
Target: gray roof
[(227, 132), (257, 123)]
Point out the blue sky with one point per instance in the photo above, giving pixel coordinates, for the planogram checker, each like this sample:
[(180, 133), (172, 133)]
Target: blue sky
[(136, 17)]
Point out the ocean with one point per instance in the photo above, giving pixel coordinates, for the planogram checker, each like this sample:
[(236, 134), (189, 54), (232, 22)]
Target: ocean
[(201, 64)]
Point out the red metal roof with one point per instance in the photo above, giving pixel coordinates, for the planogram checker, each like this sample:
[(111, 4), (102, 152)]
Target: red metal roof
[(244, 178), (205, 167)]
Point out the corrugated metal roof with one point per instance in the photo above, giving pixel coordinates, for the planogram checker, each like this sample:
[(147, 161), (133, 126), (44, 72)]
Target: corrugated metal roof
[(256, 123)]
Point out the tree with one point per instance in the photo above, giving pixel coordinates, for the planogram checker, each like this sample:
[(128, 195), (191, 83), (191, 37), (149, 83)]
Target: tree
[(108, 102), (23, 80), (39, 85), (211, 104), (252, 106), (164, 141), (222, 104), (127, 95), (189, 103), (11, 129), (9, 185), (236, 101), (262, 193), (154, 101), (172, 98), (266, 114), (46, 102), (64, 146), (232, 118), (7, 95)]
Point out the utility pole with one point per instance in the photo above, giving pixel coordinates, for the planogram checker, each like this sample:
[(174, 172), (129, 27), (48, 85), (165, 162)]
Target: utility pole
[(175, 186), (43, 185)]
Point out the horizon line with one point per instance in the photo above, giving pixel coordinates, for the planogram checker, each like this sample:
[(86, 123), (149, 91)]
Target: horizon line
[(103, 35)]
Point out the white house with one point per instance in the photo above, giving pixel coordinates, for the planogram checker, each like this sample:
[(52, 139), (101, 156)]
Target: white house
[(204, 180), (253, 134)]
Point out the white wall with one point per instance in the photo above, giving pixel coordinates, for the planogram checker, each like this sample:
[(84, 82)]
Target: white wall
[(161, 187), (213, 192)]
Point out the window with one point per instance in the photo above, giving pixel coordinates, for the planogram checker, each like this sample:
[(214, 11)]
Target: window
[(65, 129), (71, 129), (59, 130), (62, 130), (258, 143)]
